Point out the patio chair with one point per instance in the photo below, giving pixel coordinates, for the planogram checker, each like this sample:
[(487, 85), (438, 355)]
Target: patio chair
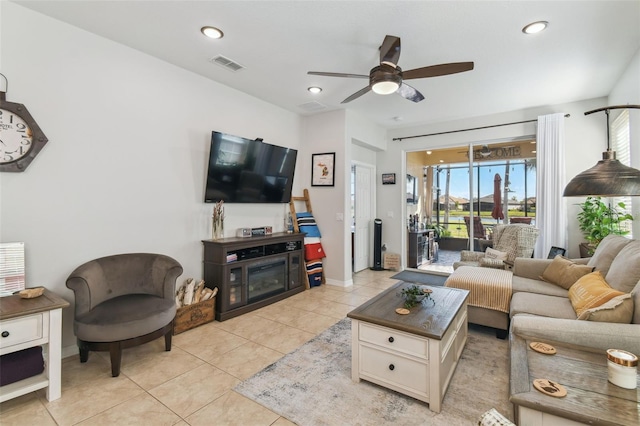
[(525, 220), (513, 240), (480, 240)]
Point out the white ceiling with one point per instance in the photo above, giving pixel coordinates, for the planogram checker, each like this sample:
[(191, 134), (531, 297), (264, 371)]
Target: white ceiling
[(583, 52)]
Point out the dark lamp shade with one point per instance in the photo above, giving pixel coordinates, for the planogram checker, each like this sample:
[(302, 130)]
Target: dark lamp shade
[(608, 178)]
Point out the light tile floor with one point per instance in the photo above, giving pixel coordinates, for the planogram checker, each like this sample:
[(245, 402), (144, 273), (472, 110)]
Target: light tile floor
[(192, 384)]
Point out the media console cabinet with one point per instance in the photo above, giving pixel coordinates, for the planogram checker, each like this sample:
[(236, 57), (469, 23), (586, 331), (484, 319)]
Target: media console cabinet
[(253, 272)]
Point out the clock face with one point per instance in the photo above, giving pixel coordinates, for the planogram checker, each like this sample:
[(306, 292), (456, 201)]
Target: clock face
[(16, 137)]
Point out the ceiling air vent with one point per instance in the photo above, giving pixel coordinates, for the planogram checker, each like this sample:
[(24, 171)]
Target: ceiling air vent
[(312, 106), (226, 63)]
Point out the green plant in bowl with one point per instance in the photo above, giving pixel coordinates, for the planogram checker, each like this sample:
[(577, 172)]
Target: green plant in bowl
[(415, 294)]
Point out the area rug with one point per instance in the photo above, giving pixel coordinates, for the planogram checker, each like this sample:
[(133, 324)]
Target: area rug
[(312, 386), (420, 277)]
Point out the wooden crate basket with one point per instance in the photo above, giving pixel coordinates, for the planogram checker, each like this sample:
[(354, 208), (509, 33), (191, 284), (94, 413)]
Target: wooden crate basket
[(191, 316)]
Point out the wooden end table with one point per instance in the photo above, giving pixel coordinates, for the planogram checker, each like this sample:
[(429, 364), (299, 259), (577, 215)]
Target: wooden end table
[(25, 323), (414, 354), (591, 398)]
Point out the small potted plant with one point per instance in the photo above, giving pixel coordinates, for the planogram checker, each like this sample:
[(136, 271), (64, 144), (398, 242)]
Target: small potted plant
[(415, 294), (597, 220)]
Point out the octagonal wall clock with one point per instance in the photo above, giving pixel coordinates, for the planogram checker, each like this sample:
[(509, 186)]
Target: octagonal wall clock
[(21, 139)]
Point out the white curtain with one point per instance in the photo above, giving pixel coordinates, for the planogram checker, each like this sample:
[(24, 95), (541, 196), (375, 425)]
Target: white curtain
[(551, 208)]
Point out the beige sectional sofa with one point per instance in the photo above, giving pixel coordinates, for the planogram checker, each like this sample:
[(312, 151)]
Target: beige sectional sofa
[(543, 310)]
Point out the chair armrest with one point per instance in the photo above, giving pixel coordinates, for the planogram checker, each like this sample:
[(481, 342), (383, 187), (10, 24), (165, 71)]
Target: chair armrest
[(169, 270), (590, 334), (471, 256)]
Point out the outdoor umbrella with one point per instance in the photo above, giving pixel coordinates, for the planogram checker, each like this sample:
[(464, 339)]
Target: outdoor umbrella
[(497, 213)]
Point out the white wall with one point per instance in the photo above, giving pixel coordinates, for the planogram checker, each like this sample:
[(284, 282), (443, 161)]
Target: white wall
[(627, 92), (124, 169), (326, 133), (585, 143)]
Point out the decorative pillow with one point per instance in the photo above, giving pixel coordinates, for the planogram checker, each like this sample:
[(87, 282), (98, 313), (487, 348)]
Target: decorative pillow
[(495, 254), (563, 272), (606, 251), (624, 272), (494, 418), (492, 263), (619, 309), (591, 291)]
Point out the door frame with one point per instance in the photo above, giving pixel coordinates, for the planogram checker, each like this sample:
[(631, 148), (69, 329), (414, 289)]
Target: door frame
[(372, 207)]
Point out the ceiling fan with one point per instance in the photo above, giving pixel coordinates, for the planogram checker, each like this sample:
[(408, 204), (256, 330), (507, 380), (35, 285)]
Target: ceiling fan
[(389, 78)]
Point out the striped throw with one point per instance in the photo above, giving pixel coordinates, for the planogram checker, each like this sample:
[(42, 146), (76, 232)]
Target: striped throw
[(488, 288)]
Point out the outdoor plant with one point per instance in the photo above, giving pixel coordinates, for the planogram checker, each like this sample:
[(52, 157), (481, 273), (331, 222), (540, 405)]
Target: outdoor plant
[(439, 229), (597, 220), (415, 294)]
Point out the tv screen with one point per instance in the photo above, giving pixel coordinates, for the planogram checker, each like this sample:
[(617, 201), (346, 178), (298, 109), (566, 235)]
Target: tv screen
[(248, 171)]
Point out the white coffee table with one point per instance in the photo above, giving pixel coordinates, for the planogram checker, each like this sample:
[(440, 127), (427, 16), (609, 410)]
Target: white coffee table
[(414, 354)]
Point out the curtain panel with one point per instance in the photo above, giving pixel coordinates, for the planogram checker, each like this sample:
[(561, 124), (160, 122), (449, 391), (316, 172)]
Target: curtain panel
[(551, 207)]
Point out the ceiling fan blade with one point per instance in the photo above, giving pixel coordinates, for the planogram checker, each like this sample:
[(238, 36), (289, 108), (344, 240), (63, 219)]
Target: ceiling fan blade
[(437, 70), (357, 94), (410, 93), (390, 50), (337, 74)]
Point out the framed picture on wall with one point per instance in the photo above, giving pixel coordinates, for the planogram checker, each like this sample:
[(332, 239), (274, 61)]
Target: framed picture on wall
[(412, 195), (388, 178), (323, 169)]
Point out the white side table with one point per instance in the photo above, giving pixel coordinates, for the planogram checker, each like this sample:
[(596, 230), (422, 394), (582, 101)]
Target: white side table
[(25, 323)]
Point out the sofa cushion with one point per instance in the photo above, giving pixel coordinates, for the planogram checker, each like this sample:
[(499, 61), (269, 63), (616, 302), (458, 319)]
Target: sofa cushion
[(619, 309), (624, 272), (529, 285), (635, 295), (125, 316), (606, 251), (564, 272), (591, 291), (542, 305)]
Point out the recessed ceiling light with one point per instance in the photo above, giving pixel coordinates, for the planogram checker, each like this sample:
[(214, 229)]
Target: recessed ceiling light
[(212, 32), (314, 89), (535, 27), (429, 152)]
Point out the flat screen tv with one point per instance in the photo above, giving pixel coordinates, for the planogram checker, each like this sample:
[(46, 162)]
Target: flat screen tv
[(242, 170)]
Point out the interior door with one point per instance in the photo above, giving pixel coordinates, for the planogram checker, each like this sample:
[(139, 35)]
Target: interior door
[(363, 216)]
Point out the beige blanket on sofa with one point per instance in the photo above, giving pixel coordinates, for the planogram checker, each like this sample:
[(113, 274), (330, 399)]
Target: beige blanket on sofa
[(488, 288)]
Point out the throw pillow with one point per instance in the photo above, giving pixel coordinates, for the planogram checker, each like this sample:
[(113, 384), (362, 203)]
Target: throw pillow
[(624, 272), (492, 263), (495, 254), (563, 272), (591, 291), (619, 309), (606, 251)]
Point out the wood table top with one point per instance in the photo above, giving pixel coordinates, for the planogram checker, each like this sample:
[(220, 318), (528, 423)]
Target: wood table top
[(15, 306), (590, 399), (425, 319)]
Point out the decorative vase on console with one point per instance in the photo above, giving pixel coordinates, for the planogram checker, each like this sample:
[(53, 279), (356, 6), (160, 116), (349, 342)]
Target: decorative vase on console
[(217, 230)]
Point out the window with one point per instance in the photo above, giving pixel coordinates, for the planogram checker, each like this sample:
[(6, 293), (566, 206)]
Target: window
[(621, 144)]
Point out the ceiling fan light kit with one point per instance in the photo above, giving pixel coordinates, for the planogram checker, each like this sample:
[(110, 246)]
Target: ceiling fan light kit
[(609, 177), (385, 79), (388, 77)]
